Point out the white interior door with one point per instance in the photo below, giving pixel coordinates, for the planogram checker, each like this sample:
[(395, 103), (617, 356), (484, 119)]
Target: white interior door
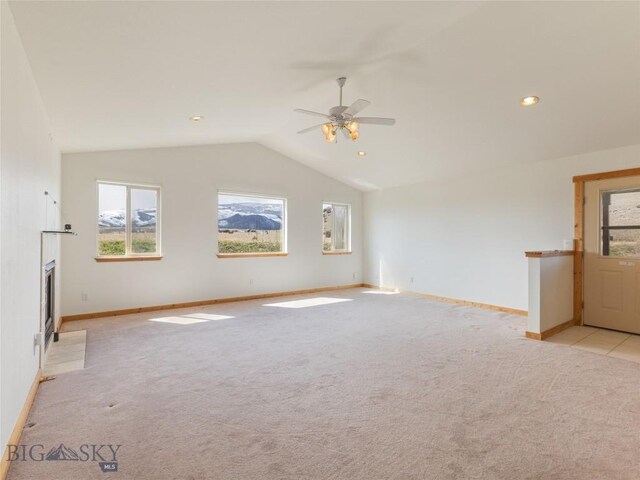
[(612, 254)]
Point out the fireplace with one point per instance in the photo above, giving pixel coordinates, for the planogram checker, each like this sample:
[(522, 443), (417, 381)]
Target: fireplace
[(49, 301)]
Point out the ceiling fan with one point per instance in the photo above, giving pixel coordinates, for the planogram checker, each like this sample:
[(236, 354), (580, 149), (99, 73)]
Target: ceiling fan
[(344, 118)]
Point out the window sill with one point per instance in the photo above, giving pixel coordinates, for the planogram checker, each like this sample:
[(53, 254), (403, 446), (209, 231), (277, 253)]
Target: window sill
[(337, 253), (256, 254), (128, 259)]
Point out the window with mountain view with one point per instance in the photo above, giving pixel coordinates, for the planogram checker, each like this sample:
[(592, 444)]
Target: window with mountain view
[(127, 220), (336, 224), (620, 223), (249, 224)]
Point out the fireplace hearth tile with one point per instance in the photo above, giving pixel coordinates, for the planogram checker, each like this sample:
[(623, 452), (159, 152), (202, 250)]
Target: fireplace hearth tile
[(67, 354)]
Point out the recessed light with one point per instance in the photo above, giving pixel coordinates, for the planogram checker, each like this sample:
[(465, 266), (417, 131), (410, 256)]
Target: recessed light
[(196, 118), (361, 153), (529, 101)]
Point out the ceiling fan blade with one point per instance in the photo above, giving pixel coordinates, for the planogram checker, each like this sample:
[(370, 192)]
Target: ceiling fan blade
[(356, 106), (311, 128), (375, 120), (309, 112)]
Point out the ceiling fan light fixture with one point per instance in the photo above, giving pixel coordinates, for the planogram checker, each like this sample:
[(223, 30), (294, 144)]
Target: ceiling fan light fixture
[(329, 133), (353, 126), (343, 119)]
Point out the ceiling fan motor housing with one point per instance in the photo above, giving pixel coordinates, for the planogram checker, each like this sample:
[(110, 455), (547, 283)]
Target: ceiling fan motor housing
[(337, 111)]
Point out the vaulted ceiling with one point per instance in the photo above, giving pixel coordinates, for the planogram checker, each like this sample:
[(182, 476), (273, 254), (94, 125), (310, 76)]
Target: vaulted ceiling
[(116, 75)]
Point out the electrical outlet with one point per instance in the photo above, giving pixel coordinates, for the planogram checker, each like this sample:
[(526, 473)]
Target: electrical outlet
[(251, 281), (84, 297), (354, 275)]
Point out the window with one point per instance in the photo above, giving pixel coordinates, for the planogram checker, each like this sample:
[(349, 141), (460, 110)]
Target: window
[(128, 220), (620, 223), (336, 228), (251, 224)]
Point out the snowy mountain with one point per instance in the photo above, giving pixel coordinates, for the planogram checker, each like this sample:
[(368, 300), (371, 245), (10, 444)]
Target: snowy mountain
[(145, 217), (241, 216), (253, 222), (249, 215)]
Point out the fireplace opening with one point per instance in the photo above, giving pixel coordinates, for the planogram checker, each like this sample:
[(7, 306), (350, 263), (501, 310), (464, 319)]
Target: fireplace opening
[(49, 302)]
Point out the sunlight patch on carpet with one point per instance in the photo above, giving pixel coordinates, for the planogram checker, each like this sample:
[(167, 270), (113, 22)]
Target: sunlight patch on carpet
[(191, 318), (308, 302), (208, 316)]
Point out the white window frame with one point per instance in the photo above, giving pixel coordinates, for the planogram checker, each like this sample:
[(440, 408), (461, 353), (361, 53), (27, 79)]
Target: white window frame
[(127, 242), (333, 228), (284, 227)]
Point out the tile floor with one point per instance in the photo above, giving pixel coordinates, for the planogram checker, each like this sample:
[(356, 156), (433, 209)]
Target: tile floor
[(67, 354), (600, 341)]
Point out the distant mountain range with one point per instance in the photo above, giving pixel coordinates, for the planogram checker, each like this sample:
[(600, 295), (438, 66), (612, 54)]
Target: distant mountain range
[(250, 216), (249, 222), (233, 216), (145, 217)]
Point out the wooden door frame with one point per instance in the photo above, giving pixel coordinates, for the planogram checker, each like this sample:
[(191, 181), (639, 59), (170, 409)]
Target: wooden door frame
[(578, 232)]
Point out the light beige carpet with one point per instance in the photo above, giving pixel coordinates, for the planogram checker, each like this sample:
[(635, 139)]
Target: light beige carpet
[(379, 387)]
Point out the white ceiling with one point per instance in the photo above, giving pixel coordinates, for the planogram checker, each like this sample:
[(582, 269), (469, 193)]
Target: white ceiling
[(117, 75)]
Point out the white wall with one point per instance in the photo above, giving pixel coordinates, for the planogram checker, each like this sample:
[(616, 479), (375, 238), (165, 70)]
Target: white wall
[(465, 237), (29, 165), (190, 271)]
